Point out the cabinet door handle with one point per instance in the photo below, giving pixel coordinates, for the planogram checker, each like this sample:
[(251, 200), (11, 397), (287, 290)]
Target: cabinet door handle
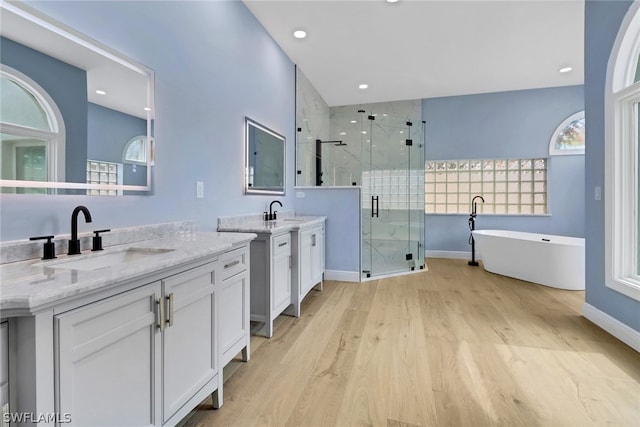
[(313, 240), (282, 244), (170, 309), (161, 320), (231, 264)]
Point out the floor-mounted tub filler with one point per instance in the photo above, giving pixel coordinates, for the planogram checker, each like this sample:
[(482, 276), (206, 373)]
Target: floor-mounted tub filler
[(556, 261)]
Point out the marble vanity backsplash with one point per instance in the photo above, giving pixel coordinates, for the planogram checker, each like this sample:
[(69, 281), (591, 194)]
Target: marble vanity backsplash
[(21, 250), (237, 221)]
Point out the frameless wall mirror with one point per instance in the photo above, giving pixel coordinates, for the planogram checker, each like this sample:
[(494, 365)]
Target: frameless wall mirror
[(70, 108), (265, 159)]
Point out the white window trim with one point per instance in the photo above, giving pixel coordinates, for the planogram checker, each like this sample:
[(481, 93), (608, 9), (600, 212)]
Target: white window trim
[(56, 137), (553, 151), (621, 160)]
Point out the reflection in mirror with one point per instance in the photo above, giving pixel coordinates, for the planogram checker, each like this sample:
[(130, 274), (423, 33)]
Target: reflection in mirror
[(69, 110), (265, 160)]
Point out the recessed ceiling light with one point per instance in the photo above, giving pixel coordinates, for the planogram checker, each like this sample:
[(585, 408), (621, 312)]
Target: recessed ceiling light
[(343, 133), (364, 132), (101, 92), (147, 109), (363, 86), (392, 1), (354, 121), (565, 69), (299, 34)]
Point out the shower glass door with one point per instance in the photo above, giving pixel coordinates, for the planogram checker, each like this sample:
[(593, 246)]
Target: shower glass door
[(393, 195)]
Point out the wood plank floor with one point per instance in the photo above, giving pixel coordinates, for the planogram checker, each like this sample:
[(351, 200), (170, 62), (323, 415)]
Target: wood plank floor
[(452, 346)]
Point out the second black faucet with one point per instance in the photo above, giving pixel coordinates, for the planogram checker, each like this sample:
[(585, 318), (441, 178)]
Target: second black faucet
[(272, 214)]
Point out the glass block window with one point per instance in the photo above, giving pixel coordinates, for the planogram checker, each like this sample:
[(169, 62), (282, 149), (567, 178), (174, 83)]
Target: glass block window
[(103, 173), (396, 188), (508, 186)]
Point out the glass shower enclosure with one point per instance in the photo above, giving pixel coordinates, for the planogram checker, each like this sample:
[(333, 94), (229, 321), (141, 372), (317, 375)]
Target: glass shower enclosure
[(392, 191)]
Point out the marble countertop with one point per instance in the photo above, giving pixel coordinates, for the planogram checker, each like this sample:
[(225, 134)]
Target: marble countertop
[(255, 224), (34, 284)]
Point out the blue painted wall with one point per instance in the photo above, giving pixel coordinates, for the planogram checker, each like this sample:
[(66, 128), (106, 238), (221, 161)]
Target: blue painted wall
[(602, 22), (67, 86), (214, 64), (516, 124), (109, 132), (341, 206)]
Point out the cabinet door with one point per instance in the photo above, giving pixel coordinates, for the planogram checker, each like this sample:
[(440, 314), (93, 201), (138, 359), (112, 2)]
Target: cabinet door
[(189, 353), (317, 255), (108, 352), (305, 261), (281, 273), (234, 315), (311, 258), (234, 303)]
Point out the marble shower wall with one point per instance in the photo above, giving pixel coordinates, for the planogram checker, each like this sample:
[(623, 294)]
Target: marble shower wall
[(312, 122)]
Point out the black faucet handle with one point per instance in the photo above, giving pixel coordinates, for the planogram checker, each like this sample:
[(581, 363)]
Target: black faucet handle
[(266, 216), (275, 216), (97, 239), (49, 248)]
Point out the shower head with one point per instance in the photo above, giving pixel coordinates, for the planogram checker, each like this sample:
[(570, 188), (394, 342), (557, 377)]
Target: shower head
[(340, 144)]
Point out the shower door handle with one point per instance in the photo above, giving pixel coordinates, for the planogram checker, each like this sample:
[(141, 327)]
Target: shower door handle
[(375, 206)]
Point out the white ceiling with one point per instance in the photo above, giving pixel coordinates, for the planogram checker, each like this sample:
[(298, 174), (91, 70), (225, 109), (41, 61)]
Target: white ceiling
[(124, 82), (426, 48)]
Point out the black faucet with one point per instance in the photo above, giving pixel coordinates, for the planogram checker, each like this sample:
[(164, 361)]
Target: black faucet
[(272, 214), (74, 243), (472, 226)]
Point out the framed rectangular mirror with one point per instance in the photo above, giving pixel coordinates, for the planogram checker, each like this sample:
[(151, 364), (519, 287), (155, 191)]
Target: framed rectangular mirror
[(265, 160), (76, 117)]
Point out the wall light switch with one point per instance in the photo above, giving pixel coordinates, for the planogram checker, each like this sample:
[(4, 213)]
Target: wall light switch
[(300, 194), (199, 189), (597, 193)]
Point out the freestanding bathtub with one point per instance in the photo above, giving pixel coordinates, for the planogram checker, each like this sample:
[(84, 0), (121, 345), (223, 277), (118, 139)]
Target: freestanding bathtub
[(555, 261)]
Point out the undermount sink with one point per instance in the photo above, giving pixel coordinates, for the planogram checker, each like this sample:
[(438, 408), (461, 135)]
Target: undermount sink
[(122, 257)]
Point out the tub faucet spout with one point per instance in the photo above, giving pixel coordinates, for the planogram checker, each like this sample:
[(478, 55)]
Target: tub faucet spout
[(474, 210)]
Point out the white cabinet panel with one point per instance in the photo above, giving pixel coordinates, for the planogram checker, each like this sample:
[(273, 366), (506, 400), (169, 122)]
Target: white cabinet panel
[(107, 355), (281, 273), (189, 353), (234, 305)]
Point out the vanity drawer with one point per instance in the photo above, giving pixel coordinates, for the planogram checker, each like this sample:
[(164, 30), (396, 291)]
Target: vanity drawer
[(233, 262), (282, 245)]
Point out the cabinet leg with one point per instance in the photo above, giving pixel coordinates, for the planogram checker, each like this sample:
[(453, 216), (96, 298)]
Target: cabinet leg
[(296, 309), (216, 396), (246, 354), (269, 328)]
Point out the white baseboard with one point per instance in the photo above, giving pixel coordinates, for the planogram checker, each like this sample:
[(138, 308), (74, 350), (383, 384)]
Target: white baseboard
[(450, 254), (342, 276), (624, 333)]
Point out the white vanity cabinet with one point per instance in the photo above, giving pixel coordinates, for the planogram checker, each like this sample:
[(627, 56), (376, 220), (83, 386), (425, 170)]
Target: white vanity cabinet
[(234, 305), (147, 356), (270, 277)]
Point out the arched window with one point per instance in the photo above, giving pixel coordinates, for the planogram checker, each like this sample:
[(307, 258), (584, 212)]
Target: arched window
[(31, 129), (622, 157), (569, 137), (135, 151)]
